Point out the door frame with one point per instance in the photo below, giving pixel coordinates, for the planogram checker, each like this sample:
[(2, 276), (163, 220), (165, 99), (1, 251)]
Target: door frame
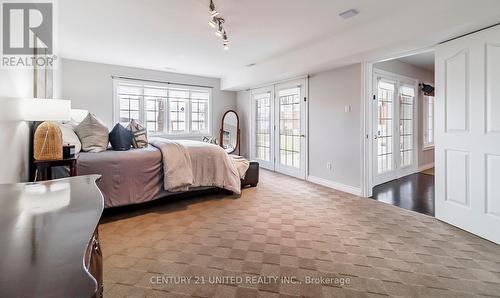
[(367, 69), (399, 80), (305, 121)]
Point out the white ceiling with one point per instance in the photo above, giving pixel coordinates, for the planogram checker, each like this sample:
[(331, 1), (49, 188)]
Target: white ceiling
[(284, 38), (423, 60)]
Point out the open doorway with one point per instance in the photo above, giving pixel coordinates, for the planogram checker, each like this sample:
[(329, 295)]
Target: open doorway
[(402, 129)]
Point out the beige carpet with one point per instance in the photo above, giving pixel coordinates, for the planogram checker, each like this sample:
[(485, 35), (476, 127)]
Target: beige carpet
[(298, 231)]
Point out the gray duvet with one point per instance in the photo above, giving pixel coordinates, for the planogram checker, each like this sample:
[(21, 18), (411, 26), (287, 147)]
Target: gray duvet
[(128, 177)]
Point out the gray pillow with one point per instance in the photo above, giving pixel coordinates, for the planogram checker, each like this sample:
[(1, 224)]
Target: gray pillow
[(139, 133), (93, 134), (120, 138)]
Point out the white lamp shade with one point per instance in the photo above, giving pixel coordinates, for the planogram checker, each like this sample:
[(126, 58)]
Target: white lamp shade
[(78, 115), (45, 109)]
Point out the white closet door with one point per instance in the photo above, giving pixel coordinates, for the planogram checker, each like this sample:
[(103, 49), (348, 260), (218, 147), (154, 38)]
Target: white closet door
[(467, 140)]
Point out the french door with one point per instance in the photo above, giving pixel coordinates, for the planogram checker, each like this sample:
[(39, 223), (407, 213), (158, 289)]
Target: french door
[(278, 127), (394, 114)]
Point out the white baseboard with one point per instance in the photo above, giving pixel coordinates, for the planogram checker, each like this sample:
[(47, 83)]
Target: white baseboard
[(335, 185), (425, 167)]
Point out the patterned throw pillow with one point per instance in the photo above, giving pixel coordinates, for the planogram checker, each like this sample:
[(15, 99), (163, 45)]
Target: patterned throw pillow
[(211, 140), (93, 134), (140, 135)]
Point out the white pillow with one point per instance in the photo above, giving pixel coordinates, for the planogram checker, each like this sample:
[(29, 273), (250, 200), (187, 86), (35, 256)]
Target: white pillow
[(69, 136), (93, 134)]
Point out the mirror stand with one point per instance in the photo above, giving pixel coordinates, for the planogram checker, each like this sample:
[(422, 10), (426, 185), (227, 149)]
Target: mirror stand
[(230, 132)]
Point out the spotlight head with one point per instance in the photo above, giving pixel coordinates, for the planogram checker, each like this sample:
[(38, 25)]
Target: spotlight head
[(220, 31), (213, 23), (226, 46)]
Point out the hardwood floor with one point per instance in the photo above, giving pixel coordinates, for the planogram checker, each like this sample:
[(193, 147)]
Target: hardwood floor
[(414, 192)]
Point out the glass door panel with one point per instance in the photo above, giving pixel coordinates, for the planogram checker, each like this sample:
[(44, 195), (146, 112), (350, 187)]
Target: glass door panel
[(394, 147), (290, 139), (385, 116), (406, 108), (278, 127), (289, 109), (263, 126)]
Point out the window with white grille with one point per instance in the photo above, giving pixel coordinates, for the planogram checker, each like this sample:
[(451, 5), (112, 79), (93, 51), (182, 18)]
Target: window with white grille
[(428, 121), (164, 109)]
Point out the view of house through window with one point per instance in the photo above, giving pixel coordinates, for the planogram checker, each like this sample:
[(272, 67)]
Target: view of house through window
[(163, 108)]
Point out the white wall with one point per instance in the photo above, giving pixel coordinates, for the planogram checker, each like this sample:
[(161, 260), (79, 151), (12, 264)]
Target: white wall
[(243, 108), (89, 86), (334, 134), (14, 135), (425, 157)]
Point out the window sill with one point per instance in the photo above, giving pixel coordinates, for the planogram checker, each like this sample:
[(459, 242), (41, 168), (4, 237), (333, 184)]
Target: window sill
[(179, 136)]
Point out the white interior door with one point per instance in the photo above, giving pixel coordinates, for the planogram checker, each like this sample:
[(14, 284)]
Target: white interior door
[(290, 138), (467, 140), (263, 127), (278, 127), (394, 110)]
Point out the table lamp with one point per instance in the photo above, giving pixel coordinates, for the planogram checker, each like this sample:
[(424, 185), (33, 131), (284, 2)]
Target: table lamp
[(47, 139)]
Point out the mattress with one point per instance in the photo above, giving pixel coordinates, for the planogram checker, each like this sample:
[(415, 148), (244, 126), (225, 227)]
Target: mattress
[(128, 177)]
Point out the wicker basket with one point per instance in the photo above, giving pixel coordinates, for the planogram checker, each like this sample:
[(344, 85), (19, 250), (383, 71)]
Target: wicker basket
[(47, 142)]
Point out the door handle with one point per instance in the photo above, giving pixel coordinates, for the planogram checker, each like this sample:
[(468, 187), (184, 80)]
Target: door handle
[(302, 136)]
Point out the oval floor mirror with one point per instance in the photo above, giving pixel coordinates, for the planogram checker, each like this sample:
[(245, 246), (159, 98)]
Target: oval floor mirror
[(230, 132)]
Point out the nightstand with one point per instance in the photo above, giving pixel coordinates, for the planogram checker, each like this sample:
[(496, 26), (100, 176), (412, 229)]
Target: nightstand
[(43, 168)]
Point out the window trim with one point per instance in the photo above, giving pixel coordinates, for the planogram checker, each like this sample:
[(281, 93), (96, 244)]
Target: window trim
[(142, 113), (426, 144)]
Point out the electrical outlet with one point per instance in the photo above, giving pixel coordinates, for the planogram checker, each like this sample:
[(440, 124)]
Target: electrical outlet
[(329, 166)]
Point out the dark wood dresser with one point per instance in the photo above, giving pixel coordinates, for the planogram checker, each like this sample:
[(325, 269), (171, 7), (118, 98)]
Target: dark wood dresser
[(49, 245)]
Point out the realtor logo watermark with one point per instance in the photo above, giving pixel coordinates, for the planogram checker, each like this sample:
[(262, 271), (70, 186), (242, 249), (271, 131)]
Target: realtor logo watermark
[(27, 34)]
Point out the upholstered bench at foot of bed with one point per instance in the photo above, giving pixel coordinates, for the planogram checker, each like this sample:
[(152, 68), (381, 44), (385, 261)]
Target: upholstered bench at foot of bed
[(252, 175)]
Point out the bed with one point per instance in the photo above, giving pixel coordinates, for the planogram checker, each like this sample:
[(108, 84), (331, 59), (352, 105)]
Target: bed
[(136, 175), (128, 177)]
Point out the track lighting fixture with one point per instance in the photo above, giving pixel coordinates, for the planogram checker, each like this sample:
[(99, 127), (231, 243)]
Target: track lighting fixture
[(213, 23), (217, 22)]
